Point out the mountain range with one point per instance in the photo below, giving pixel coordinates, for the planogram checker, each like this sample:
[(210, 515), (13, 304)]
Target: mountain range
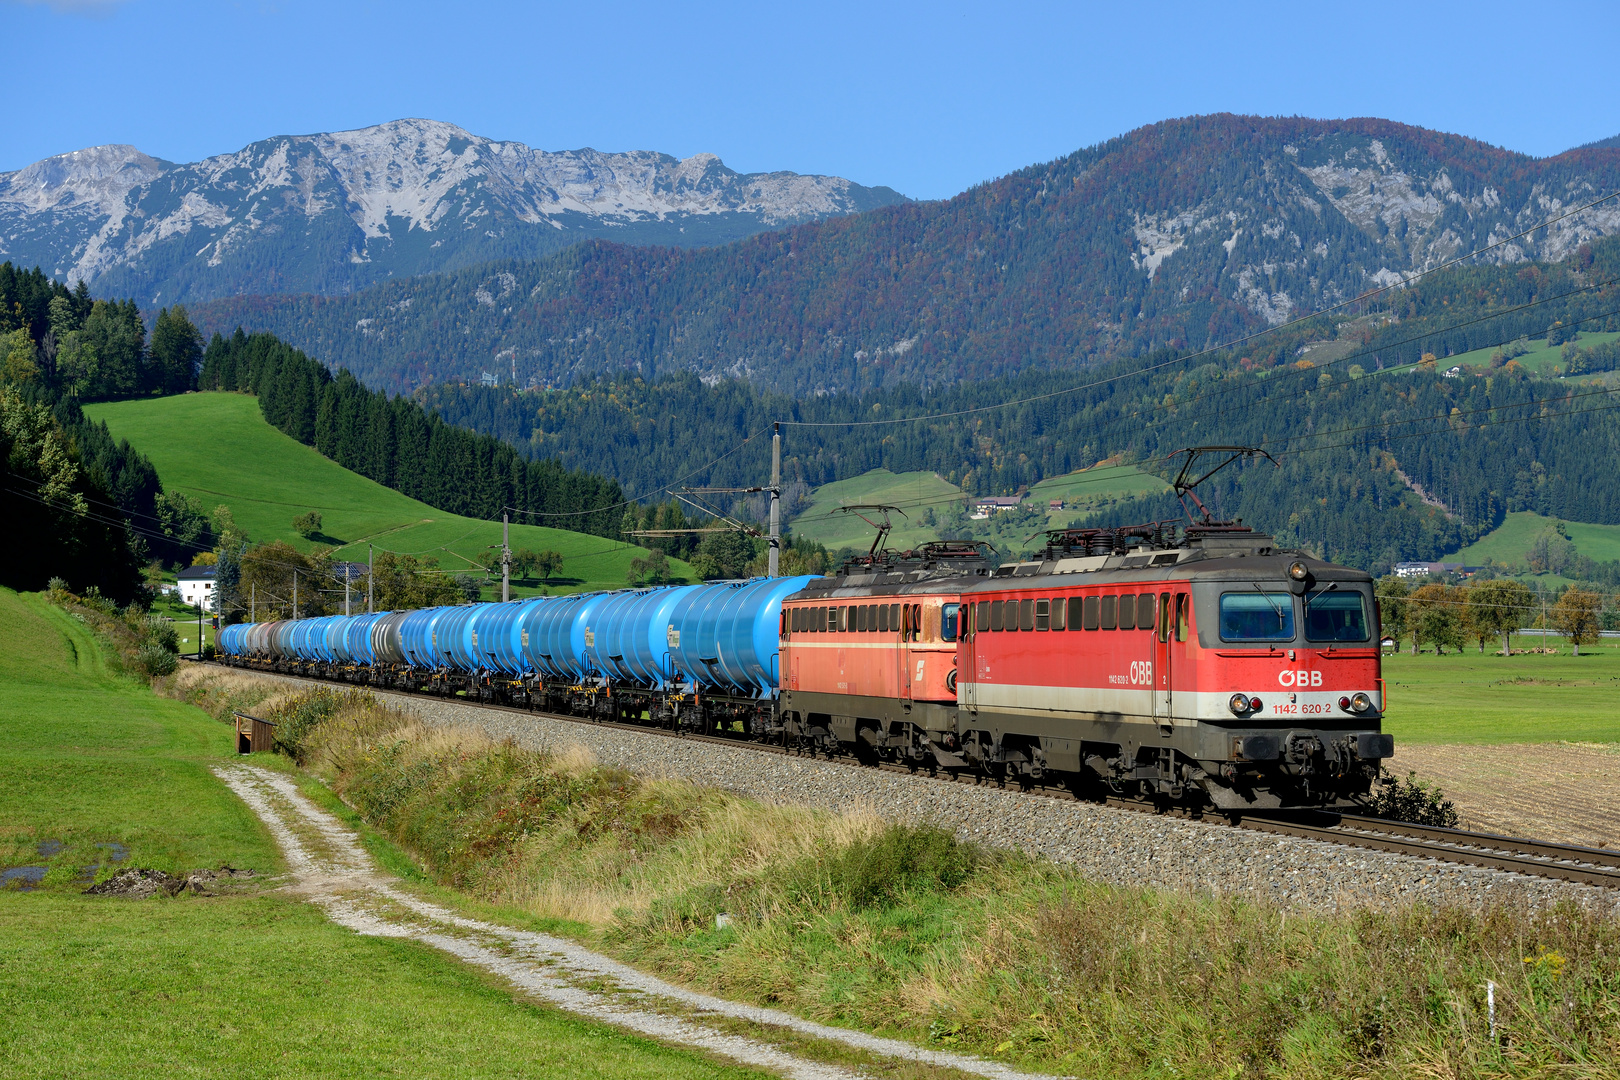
[(331, 213), (1176, 235)]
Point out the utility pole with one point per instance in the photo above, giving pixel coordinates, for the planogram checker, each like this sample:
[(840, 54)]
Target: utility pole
[(295, 594), (346, 568), (199, 629), (369, 593), (775, 555), (506, 555), (253, 601)]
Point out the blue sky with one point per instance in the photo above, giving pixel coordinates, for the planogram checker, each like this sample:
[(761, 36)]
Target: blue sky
[(926, 98)]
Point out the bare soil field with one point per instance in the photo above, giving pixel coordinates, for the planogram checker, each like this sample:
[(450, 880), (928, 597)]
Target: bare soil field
[(1560, 792)]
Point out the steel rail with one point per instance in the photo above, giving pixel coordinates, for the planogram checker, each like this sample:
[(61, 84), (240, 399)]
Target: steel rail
[(1560, 862)]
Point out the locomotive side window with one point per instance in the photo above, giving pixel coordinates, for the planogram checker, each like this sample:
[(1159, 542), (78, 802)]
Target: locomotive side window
[(1043, 614), (1075, 618), (1257, 616), (883, 618), (1127, 612), (1092, 613), (1144, 610), (894, 617), (1058, 608), (1109, 610), (1164, 616), (996, 607), (983, 621), (947, 621), (821, 620), (1335, 616), (1026, 614)]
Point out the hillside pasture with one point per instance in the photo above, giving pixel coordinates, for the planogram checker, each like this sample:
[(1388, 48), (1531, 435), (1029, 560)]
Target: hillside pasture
[(217, 448)]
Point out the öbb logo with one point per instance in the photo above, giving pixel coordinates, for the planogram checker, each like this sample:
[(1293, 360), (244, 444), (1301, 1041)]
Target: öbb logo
[(1299, 678)]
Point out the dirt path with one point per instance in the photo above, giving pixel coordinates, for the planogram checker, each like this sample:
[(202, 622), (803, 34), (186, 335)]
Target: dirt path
[(1562, 792), (330, 869)]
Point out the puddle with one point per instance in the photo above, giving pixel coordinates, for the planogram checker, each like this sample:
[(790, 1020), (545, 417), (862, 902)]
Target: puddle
[(50, 849), (24, 878)]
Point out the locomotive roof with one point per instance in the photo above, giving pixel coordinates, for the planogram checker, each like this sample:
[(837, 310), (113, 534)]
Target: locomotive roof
[(1242, 557)]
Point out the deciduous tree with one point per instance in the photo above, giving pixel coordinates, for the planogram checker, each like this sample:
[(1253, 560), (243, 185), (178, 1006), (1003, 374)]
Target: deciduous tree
[(1575, 615)]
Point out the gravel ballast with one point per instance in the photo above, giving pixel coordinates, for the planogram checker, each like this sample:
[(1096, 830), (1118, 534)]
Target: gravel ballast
[(1121, 847)]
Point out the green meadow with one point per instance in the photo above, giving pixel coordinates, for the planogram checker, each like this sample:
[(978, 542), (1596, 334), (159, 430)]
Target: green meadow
[(99, 772), (1474, 698), (217, 448)]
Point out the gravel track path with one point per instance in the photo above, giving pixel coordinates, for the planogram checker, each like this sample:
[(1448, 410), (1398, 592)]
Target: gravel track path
[(1120, 847), (330, 868)]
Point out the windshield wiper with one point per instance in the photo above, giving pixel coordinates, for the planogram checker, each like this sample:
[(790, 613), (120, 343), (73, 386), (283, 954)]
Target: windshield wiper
[(1267, 598)]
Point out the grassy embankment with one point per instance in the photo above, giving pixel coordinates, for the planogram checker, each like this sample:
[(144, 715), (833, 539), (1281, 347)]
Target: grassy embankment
[(904, 930), (218, 448), (251, 985), (1084, 491)]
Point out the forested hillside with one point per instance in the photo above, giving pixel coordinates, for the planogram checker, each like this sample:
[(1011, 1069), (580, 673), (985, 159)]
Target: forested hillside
[(1358, 435), (1178, 235), (399, 445)]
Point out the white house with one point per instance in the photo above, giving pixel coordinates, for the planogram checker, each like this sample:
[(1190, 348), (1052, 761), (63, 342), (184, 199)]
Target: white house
[(197, 587)]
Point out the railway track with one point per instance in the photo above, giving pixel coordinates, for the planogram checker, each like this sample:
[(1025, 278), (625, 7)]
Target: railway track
[(1561, 862)]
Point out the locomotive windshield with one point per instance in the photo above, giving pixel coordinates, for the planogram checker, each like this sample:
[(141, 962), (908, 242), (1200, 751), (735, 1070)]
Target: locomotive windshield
[(947, 621), (1257, 616), (1335, 616)]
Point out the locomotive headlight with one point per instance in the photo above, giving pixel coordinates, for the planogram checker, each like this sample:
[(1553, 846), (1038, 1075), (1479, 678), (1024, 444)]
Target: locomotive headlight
[(1239, 704), (1360, 703), (1298, 570)]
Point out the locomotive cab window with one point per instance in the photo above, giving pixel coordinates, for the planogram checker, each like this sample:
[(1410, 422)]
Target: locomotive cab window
[(1257, 616), (1335, 616), (947, 621)]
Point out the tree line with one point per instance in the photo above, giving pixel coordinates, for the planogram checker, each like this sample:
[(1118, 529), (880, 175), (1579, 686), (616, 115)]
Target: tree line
[(1441, 616)]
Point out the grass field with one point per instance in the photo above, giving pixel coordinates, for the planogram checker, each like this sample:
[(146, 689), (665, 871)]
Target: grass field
[(1471, 698), (1084, 491), (1508, 543), (254, 985), (1539, 359), (913, 492), (218, 448)]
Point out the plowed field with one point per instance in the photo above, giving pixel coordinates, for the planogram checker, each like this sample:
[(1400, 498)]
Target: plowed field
[(1562, 792)]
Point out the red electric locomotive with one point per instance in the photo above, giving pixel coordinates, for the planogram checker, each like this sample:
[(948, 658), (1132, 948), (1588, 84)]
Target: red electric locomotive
[(1195, 664)]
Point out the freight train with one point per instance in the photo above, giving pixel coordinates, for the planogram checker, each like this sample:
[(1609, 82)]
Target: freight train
[(1191, 664)]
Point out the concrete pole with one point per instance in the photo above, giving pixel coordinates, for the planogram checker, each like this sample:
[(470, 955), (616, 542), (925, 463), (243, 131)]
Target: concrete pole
[(345, 590), (775, 557), (295, 594), (506, 556), (253, 601), (369, 593)]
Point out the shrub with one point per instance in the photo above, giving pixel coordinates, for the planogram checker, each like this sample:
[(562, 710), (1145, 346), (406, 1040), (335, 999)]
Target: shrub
[(900, 860), (1414, 802), (155, 660)]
